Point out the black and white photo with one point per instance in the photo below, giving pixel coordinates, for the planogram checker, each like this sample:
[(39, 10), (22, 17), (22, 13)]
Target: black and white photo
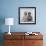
[(27, 15)]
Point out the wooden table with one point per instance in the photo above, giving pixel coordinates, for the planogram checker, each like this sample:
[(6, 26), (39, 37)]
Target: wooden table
[(20, 39)]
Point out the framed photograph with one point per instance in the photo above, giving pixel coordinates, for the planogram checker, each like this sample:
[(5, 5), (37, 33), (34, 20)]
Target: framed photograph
[(27, 15)]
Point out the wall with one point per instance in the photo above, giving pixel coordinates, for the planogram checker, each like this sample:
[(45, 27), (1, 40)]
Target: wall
[(9, 8)]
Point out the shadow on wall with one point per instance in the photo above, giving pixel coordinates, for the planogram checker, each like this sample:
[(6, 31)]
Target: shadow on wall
[(2, 21)]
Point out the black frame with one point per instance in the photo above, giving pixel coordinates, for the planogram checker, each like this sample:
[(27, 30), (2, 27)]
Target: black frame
[(29, 8)]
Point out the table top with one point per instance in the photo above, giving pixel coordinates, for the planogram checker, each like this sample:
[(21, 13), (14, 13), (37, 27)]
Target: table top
[(22, 35)]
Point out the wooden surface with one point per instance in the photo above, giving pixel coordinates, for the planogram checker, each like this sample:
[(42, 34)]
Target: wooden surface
[(33, 43), (20, 39)]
